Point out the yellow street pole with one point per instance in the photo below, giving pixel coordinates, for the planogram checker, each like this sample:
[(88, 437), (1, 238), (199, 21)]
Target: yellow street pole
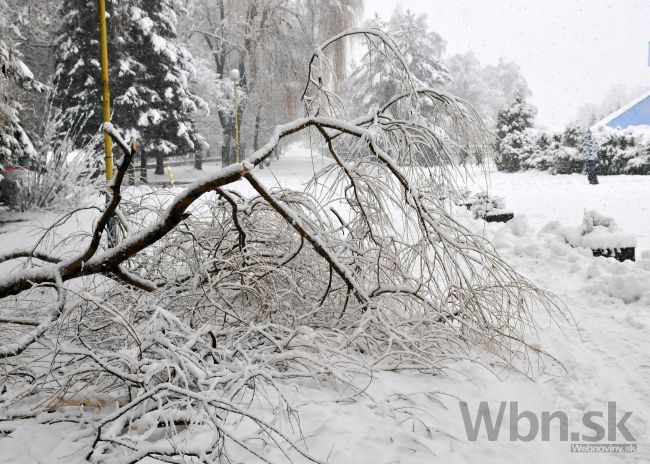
[(106, 94)]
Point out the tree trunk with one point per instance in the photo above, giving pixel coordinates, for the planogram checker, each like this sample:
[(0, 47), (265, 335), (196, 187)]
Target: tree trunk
[(160, 164), (132, 174), (143, 168), (256, 133), (226, 149), (198, 161)]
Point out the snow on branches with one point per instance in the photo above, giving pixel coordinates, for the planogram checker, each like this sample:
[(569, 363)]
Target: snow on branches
[(15, 144), (149, 72), (213, 299)]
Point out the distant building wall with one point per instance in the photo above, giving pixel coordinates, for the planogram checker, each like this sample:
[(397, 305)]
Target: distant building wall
[(637, 115)]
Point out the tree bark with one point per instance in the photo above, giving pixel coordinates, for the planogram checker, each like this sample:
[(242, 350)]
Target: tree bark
[(226, 149), (143, 168), (160, 164), (258, 123), (132, 174)]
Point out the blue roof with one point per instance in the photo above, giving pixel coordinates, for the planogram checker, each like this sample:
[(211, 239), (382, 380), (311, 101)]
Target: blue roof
[(636, 113)]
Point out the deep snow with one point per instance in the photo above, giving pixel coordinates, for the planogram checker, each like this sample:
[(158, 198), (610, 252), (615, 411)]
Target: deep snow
[(413, 418)]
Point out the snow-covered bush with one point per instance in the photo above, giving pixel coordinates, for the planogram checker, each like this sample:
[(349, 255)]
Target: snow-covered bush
[(66, 173), (620, 151), (481, 204), (617, 149), (485, 204), (640, 163), (542, 152), (514, 151), (566, 160), (567, 155)]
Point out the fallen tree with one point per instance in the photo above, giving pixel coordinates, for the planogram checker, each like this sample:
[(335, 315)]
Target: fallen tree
[(216, 298)]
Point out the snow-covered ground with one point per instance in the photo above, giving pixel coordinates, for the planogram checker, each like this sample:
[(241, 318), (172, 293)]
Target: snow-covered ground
[(413, 418), (539, 196)]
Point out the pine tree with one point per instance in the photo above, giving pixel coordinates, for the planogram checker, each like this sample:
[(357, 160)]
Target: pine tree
[(149, 73), (15, 144), (77, 77), (158, 104), (515, 142), (377, 78), (421, 49)]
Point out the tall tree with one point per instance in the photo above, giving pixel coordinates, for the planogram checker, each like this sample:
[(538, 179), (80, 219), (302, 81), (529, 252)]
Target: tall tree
[(36, 21), (269, 42), (378, 77), (159, 72), (515, 142), (469, 83), (15, 144), (77, 75), (149, 72), (487, 88)]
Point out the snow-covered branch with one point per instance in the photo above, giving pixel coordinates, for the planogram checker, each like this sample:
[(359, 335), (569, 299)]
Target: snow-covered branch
[(214, 298)]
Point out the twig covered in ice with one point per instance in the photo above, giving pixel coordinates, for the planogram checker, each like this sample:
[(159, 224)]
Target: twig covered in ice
[(214, 298)]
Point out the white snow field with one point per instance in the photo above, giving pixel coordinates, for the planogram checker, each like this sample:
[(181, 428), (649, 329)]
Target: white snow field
[(415, 418)]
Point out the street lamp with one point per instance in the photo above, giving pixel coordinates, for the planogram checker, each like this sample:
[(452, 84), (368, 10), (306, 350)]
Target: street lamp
[(234, 77)]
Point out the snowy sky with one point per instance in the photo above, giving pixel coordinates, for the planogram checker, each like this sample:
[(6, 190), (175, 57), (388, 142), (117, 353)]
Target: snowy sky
[(571, 51)]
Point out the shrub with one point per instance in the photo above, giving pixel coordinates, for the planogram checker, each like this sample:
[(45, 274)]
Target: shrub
[(62, 173), (620, 152), (617, 148), (640, 164), (567, 160)]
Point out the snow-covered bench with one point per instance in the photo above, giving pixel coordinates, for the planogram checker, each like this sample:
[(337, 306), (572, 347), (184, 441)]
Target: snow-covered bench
[(486, 207), (601, 234)]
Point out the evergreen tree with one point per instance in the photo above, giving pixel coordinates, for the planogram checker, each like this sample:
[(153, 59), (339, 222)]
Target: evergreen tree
[(149, 74), (15, 144), (77, 77), (515, 143), (377, 78), (158, 105), (421, 49)]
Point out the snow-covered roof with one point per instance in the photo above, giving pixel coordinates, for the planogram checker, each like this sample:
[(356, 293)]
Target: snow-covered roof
[(635, 113)]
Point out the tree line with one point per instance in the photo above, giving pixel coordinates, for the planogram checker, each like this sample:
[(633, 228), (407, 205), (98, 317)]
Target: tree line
[(170, 62)]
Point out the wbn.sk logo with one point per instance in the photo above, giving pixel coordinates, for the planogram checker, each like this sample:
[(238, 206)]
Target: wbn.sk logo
[(599, 427)]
